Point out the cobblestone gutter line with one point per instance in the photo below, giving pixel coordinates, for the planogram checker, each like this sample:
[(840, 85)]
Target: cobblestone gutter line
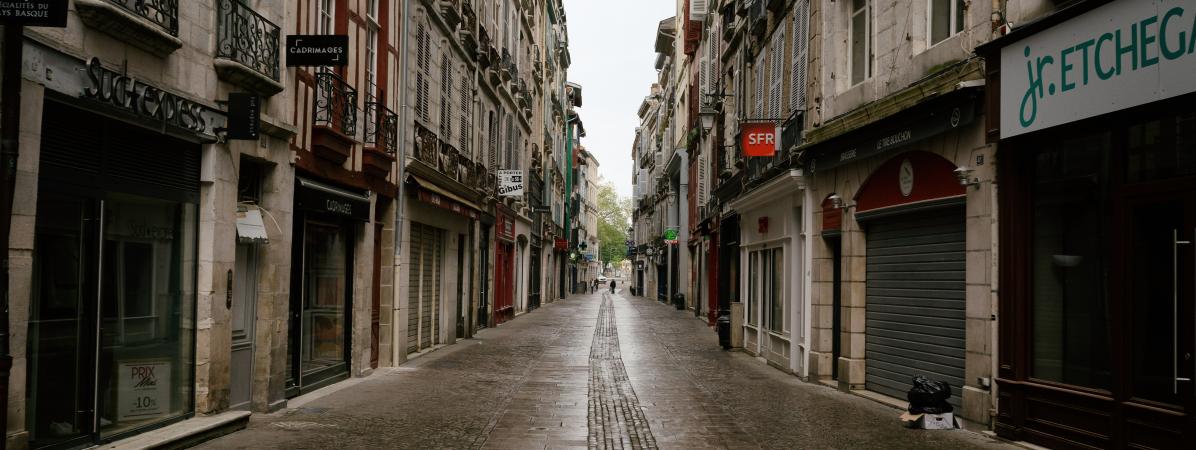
[(615, 418)]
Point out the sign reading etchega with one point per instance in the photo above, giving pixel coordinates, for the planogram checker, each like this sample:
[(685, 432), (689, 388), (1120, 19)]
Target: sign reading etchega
[(1120, 55)]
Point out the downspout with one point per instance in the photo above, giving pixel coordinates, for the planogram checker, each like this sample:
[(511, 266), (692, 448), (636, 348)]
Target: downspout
[(568, 198), (404, 118), (10, 127)]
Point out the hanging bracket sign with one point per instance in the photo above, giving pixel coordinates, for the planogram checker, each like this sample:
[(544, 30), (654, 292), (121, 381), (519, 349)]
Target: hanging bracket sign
[(510, 183), (760, 138), (33, 13), (317, 50), (244, 114)]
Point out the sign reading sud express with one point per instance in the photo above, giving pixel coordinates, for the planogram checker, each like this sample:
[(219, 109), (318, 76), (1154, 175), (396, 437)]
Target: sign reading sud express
[(1117, 56), (760, 138)]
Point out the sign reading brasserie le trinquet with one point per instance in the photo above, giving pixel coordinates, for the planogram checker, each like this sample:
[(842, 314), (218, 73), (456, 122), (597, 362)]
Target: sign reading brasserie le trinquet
[(510, 183)]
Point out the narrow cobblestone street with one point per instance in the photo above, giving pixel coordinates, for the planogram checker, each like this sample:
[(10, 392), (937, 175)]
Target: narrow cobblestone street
[(595, 371)]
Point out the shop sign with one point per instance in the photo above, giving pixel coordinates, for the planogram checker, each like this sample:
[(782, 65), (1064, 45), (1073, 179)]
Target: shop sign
[(326, 199), (760, 138), (33, 13), (913, 130), (1117, 56), (143, 389), (436, 200), (144, 100), (560, 244), (317, 50), (505, 227), (510, 183), (244, 115)]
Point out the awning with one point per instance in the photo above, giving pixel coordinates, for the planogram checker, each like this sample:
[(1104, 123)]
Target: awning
[(319, 197), (437, 196), (250, 229)]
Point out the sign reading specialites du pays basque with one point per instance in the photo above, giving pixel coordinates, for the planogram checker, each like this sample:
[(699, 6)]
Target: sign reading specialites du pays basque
[(33, 13), (317, 50), (1119, 55)]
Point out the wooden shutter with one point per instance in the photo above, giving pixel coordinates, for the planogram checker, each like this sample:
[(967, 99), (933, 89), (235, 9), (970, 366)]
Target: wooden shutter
[(801, 18), (759, 85), (776, 53), (697, 9), (466, 122), (446, 98)]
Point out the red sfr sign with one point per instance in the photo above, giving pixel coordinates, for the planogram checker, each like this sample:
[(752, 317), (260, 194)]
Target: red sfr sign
[(760, 138)]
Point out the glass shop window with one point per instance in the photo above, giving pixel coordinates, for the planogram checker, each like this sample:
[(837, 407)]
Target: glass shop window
[(1070, 303)]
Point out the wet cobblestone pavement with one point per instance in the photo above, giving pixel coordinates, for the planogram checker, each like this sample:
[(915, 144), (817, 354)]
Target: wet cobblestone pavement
[(644, 376)]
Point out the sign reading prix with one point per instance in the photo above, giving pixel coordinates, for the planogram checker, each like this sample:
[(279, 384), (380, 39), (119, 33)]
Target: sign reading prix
[(317, 50), (510, 183), (143, 389), (33, 13), (1117, 56), (760, 138)]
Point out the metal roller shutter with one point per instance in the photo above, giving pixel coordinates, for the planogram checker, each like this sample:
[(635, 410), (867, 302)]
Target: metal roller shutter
[(414, 249), (915, 312)]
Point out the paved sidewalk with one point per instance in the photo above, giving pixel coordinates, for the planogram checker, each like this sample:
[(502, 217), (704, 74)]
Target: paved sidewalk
[(588, 372)]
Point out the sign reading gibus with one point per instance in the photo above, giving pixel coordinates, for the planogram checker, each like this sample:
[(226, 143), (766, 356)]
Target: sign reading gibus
[(760, 138), (1117, 56)]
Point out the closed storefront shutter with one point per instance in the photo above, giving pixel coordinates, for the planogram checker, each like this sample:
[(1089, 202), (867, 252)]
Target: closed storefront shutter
[(915, 306), (415, 252), (424, 296)]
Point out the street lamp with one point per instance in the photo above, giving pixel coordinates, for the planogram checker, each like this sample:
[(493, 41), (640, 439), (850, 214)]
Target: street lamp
[(706, 115)]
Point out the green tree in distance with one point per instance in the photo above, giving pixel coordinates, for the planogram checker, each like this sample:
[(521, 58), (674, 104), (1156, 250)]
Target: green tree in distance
[(613, 219)]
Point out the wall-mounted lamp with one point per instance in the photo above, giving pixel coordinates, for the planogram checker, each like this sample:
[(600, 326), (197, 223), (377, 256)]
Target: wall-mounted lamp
[(837, 202), (964, 174)]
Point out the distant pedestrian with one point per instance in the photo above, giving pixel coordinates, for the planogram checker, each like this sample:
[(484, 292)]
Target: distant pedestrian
[(612, 286)]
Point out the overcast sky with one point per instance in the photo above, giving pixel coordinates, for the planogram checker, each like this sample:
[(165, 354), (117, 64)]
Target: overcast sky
[(611, 45)]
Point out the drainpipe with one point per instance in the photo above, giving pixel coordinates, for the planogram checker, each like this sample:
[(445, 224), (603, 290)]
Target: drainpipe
[(404, 118), (568, 197), (10, 129)]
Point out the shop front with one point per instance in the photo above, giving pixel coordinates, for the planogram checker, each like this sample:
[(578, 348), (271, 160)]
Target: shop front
[(505, 274), (1098, 157), (328, 221), (771, 247), (902, 253), (111, 325)]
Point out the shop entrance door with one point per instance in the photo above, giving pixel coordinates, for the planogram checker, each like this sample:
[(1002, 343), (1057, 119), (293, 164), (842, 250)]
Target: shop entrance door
[(1158, 289), (243, 305)]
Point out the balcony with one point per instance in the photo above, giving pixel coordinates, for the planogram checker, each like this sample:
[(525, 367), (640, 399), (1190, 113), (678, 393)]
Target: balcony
[(450, 11), (484, 48), (761, 168), (247, 49), (381, 139), (152, 25), (506, 67), (757, 17), (469, 23), (335, 118)]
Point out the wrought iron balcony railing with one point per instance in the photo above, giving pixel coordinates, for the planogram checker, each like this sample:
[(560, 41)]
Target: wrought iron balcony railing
[(163, 13), (246, 37), (335, 104), (381, 128)]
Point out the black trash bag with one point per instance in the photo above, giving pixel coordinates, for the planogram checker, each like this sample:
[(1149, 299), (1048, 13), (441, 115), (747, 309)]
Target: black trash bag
[(929, 396)]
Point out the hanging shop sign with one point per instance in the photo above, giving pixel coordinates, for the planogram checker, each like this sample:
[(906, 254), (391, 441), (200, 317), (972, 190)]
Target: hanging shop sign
[(560, 244), (317, 50), (33, 13), (670, 236), (244, 115), (510, 183), (760, 138), (143, 389), (1117, 56)]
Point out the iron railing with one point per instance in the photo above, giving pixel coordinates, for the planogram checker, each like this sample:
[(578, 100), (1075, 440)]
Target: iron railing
[(163, 13), (381, 127), (336, 104), (246, 37)]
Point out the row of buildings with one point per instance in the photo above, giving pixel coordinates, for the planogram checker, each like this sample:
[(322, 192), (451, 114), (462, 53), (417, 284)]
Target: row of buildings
[(996, 194), (427, 185)]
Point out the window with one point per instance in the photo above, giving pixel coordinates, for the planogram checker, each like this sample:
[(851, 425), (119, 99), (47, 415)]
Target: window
[(861, 40), (797, 80), (371, 50), (422, 72), (945, 19), (776, 56), (774, 298), (324, 17), (1070, 310), (753, 284), (446, 98)]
